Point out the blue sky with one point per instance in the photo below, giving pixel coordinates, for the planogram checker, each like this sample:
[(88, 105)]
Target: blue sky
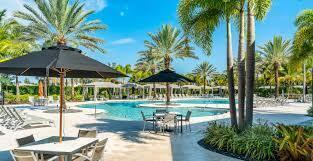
[(129, 21)]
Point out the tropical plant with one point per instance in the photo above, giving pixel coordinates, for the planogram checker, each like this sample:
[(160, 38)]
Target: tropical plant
[(295, 143), (169, 45), (199, 19), (204, 70), (127, 69), (276, 53), (254, 143)]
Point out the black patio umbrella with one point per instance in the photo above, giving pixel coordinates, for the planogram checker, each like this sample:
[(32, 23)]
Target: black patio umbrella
[(166, 76), (58, 61)]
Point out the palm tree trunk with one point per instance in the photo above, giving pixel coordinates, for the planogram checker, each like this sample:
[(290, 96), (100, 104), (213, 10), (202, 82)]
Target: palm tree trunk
[(204, 83), (168, 96), (276, 66), (230, 71), (72, 88), (154, 87), (17, 86), (241, 70), (167, 66), (250, 66), (304, 81), (45, 86)]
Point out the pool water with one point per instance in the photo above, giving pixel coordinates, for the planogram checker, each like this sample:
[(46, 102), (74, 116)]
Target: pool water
[(131, 111)]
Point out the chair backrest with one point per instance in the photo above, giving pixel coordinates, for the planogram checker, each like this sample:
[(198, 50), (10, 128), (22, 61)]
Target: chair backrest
[(160, 111), (98, 150), (87, 133), (188, 115), (25, 140), (19, 155), (170, 118), (143, 116)]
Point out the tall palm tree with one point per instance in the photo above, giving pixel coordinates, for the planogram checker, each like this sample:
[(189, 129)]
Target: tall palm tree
[(170, 45), (61, 22), (256, 9), (302, 45), (204, 70), (149, 61), (276, 53), (199, 20)]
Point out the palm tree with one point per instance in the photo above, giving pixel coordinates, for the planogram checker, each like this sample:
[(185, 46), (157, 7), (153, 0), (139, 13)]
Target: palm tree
[(170, 45), (276, 53), (11, 44), (149, 61), (302, 45), (59, 22), (256, 9), (199, 20), (204, 70), (127, 69)]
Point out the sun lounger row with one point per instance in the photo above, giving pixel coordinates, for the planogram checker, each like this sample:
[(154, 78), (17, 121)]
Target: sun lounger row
[(12, 119), (269, 102)]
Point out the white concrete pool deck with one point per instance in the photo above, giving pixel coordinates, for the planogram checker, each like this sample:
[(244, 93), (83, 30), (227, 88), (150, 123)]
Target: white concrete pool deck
[(128, 143)]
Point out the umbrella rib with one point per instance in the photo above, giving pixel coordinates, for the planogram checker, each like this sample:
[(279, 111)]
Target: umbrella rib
[(24, 71), (100, 74)]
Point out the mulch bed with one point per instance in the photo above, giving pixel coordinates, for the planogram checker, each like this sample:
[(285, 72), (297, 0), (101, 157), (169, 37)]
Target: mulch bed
[(223, 152)]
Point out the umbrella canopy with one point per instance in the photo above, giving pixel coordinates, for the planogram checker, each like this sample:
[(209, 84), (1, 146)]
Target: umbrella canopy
[(166, 76), (50, 61), (103, 85), (58, 61)]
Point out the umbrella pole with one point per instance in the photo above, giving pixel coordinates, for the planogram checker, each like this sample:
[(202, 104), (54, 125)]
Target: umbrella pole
[(61, 104), (167, 93)]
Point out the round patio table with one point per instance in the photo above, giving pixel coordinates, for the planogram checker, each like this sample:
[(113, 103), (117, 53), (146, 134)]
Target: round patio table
[(160, 115)]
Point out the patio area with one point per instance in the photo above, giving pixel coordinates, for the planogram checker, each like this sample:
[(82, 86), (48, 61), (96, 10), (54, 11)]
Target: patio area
[(126, 139)]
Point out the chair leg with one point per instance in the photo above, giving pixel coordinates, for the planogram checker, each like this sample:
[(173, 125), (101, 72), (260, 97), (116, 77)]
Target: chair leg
[(189, 126), (144, 126)]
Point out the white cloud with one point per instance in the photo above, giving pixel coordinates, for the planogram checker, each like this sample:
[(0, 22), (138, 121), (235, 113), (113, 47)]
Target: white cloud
[(123, 41), (96, 5), (122, 13)]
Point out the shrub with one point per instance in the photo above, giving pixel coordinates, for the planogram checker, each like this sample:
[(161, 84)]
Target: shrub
[(255, 143), (13, 99), (310, 111), (78, 98), (295, 143)]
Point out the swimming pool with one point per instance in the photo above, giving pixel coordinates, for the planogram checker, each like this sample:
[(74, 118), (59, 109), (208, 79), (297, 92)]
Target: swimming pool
[(129, 110)]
